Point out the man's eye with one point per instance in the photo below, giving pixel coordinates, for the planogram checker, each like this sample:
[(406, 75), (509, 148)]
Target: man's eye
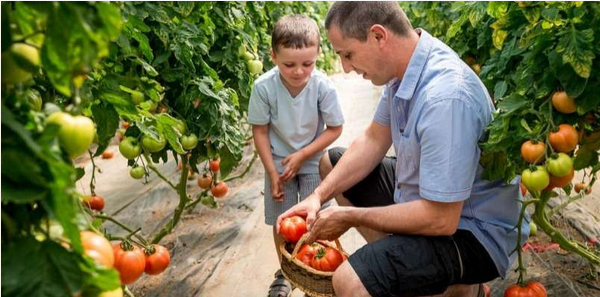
[(348, 56)]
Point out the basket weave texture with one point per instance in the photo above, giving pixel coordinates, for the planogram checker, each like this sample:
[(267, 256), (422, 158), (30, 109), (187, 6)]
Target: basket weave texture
[(313, 282)]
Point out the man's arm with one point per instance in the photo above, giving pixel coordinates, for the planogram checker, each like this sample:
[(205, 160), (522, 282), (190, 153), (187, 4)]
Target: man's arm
[(358, 161)]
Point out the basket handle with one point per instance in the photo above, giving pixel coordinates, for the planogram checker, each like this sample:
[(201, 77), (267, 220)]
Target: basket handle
[(303, 239)]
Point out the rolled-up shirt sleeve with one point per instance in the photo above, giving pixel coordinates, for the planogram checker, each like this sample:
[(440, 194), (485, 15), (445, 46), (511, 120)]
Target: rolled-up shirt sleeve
[(382, 114)]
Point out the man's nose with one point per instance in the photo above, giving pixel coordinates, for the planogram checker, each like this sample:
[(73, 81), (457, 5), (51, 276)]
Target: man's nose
[(347, 66)]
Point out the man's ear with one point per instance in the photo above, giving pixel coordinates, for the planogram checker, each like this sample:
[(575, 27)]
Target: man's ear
[(379, 33)]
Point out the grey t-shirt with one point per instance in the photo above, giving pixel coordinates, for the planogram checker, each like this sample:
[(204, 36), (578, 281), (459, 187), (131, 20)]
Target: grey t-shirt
[(294, 122)]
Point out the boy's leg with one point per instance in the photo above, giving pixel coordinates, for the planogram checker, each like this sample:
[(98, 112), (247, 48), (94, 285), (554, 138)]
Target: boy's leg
[(377, 189), (280, 286)]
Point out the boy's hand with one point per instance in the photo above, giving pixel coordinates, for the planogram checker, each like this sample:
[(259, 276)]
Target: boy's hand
[(292, 165), (276, 188)]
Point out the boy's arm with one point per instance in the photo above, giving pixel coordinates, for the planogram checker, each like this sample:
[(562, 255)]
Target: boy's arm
[(296, 159), (260, 134)]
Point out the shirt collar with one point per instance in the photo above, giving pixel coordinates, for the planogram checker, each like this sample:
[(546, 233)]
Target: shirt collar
[(408, 84)]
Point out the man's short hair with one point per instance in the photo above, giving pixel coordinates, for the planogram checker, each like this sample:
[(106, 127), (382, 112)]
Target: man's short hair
[(295, 31), (355, 18)]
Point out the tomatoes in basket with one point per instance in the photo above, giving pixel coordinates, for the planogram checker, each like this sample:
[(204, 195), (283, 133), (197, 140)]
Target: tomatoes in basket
[(533, 289), (327, 259), (292, 228), (307, 252), (158, 261), (129, 263)]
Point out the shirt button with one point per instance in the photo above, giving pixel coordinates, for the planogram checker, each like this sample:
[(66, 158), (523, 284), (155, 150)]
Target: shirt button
[(399, 186)]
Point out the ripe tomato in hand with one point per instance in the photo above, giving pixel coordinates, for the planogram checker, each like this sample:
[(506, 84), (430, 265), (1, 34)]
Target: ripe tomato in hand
[(98, 248), (94, 202), (307, 252), (327, 259), (215, 164), (130, 264), (158, 261), (219, 190), (533, 289), (292, 228)]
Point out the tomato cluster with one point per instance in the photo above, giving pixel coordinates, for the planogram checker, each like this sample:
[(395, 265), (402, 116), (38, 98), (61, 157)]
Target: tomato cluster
[(320, 257), (132, 262)]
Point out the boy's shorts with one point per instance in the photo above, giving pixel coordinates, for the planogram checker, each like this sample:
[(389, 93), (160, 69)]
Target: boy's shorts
[(294, 191), (412, 265)]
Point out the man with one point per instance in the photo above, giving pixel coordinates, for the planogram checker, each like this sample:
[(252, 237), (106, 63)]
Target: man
[(432, 224)]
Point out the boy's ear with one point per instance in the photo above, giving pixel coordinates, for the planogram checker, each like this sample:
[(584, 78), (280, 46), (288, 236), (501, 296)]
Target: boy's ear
[(272, 54)]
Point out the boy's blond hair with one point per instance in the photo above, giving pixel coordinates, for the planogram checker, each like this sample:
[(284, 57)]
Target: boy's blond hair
[(295, 31)]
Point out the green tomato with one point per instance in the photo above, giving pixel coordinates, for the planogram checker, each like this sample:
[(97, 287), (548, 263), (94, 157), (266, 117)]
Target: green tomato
[(137, 97), (255, 66), (208, 200), (248, 56), (137, 172), (532, 229), (536, 180), (559, 165), (11, 72), (34, 99), (76, 133), (130, 148), (189, 142), (180, 126), (26, 56), (152, 145), (241, 50)]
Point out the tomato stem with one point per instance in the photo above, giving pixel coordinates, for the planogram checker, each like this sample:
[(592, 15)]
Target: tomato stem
[(521, 269), (93, 179), (541, 219), (195, 202), (254, 157), (160, 175), (122, 225)]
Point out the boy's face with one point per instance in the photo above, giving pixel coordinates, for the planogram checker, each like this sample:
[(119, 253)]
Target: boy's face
[(295, 65)]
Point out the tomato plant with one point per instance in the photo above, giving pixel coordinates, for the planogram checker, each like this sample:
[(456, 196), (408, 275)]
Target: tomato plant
[(581, 187), (130, 148), (292, 228), (137, 172), (153, 145), (98, 248), (129, 261), (536, 178), (215, 164), (157, 259), (75, 133), (189, 142), (327, 259), (565, 139)]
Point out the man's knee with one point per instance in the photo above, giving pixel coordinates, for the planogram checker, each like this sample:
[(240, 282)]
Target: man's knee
[(326, 164), (347, 283)]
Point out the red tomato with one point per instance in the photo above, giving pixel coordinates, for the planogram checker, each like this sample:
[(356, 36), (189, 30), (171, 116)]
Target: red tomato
[(130, 264), (307, 252), (563, 103), (580, 186), (292, 228), (204, 181), (157, 262), (327, 259), (533, 289), (108, 154), (523, 189), (215, 164), (125, 124), (565, 139), (219, 190), (94, 202), (562, 181), (533, 152), (98, 248)]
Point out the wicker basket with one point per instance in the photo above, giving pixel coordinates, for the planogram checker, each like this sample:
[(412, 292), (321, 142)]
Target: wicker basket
[(313, 282)]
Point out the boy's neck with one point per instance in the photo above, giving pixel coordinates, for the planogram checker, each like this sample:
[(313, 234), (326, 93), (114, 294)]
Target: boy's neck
[(294, 91)]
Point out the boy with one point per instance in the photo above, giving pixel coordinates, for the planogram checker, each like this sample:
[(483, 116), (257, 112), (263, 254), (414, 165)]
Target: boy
[(295, 115)]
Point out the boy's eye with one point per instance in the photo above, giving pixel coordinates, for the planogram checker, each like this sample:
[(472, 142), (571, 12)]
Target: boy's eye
[(308, 64), (289, 65)]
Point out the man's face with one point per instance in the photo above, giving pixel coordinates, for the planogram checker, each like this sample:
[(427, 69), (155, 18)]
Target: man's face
[(295, 65), (362, 57)]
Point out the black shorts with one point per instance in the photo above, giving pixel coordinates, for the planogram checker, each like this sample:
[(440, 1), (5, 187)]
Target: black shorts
[(412, 265)]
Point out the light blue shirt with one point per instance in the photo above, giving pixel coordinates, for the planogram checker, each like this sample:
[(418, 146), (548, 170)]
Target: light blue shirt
[(294, 122), (437, 113)]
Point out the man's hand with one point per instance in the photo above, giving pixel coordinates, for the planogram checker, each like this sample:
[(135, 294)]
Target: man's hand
[(308, 208), (292, 165), (330, 224), (276, 188)]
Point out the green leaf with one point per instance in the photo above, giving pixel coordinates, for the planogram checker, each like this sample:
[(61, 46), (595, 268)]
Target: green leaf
[(497, 9), (107, 122), (110, 15), (500, 89), (21, 194), (166, 125), (39, 269), (512, 103), (6, 34), (575, 47), (585, 159), (19, 166)]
